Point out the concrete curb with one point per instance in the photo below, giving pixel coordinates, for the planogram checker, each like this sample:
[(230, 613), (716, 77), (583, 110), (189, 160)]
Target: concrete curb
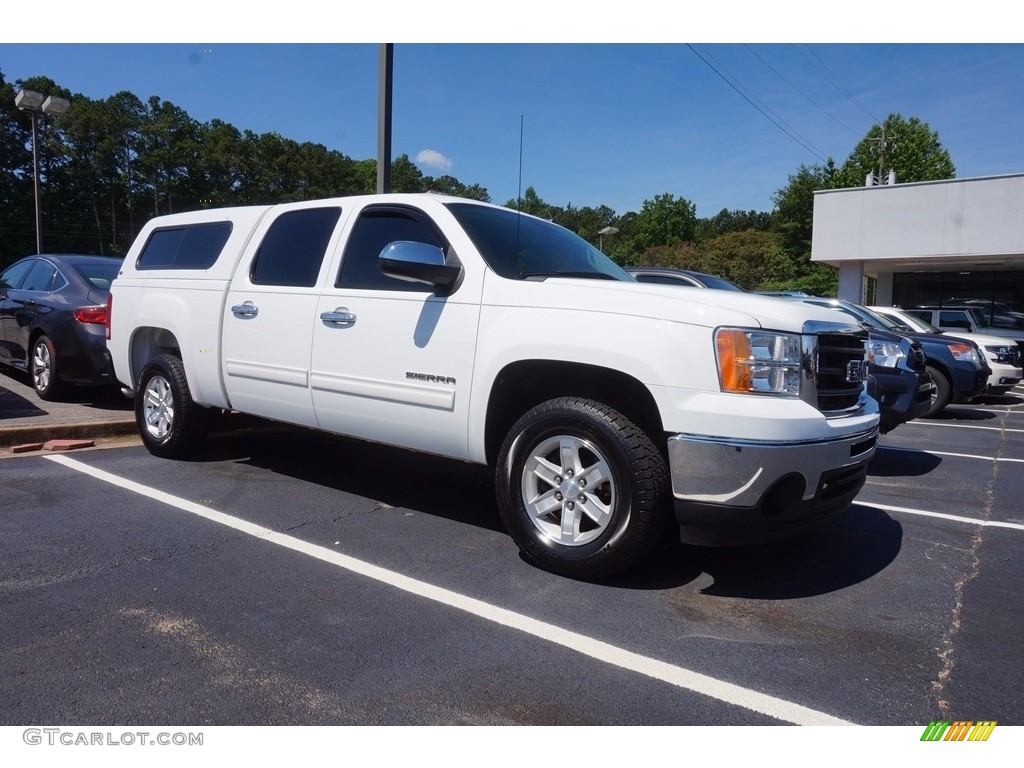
[(33, 434)]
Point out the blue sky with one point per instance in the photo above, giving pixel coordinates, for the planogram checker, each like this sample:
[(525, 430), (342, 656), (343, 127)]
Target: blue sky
[(611, 123)]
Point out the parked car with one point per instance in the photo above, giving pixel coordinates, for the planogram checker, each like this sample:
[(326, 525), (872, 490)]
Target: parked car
[(1003, 355), (686, 278), (52, 320), (897, 376), (966, 318), (956, 366)]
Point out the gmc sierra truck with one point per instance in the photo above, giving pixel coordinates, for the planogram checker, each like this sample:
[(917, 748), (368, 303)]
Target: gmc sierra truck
[(472, 331)]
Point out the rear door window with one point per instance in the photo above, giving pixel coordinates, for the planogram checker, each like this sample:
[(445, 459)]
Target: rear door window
[(40, 277), (294, 247)]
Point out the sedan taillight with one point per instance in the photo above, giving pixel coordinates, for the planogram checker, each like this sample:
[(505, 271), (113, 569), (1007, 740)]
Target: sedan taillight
[(91, 315)]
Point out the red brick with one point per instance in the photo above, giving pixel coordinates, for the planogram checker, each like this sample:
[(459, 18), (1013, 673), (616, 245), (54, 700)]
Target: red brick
[(26, 447), (67, 445)]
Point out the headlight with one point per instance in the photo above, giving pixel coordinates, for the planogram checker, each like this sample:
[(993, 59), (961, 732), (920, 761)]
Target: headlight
[(999, 354), (758, 361), (885, 354), (964, 352)]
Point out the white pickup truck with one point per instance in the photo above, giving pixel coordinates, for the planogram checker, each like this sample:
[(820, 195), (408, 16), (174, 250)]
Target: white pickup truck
[(470, 331)]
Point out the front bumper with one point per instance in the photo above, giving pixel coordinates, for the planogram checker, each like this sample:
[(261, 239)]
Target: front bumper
[(744, 491), (969, 383), (1004, 377), (902, 394)]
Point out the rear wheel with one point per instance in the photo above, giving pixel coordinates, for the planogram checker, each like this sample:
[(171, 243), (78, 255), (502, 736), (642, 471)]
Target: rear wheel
[(941, 395), (170, 423), (43, 369), (581, 489)]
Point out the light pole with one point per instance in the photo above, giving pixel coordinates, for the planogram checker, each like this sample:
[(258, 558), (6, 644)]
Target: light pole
[(35, 102), (601, 233)]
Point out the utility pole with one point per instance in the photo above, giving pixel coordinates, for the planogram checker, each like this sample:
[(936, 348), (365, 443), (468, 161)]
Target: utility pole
[(384, 81), (881, 156)]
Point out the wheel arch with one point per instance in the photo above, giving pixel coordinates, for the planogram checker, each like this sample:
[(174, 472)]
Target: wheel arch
[(524, 384), (147, 343)]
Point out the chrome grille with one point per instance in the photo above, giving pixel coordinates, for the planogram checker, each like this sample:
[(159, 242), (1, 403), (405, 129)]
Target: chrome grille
[(835, 393)]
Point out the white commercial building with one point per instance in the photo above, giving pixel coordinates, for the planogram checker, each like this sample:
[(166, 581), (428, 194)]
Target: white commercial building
[(935, 243)]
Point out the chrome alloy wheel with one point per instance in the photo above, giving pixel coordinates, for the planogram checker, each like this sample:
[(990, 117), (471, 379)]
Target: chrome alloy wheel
[(158, 407), (42, 366), (568, 490)]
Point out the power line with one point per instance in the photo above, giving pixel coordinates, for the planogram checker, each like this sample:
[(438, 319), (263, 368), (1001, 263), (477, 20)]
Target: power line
[(829, 75), (811, 101), (756, 103)]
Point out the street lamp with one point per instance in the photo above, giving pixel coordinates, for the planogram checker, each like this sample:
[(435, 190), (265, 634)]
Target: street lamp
[(601, 233), (35, 102)]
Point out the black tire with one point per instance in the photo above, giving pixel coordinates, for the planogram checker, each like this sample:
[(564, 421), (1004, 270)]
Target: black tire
[(170, 423), (942, 394), (42, 369), (614, 493)]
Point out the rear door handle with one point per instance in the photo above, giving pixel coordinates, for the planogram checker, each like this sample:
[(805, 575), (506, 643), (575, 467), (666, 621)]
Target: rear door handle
[(247, 309)]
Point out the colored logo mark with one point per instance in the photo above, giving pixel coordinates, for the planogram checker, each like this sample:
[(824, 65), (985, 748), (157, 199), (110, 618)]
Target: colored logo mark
[(958, 730)]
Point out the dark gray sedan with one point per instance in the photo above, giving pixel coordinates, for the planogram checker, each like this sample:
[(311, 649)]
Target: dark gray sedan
[(53, 318)]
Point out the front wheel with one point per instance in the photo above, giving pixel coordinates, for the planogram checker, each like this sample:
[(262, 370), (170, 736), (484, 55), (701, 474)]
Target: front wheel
[(170, 423), (941, 395), (581, 489)]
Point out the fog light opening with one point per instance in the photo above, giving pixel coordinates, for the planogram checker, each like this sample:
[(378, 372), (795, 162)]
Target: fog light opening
[(785, 494)]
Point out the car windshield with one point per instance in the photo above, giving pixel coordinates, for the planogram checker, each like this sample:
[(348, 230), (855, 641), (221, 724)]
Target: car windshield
[(978, 317), (863, 314), (519, 246), (911, 322)]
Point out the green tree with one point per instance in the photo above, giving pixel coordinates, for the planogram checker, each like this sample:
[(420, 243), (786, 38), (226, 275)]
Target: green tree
[(449, 185), (793, 215), (664, 220), (910, 148), (752, 259), (405, 176), (731, 221), (531, 203)]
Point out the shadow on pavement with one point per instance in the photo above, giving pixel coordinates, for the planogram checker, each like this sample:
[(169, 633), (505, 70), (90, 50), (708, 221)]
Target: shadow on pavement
[(856, 547), (445, 488), (14, 406), (902, 462)]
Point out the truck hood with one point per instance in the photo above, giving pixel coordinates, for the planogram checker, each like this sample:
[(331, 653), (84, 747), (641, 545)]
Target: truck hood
[(694, 306)]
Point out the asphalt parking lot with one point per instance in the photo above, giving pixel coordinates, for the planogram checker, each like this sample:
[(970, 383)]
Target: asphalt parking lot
[(288, 577)]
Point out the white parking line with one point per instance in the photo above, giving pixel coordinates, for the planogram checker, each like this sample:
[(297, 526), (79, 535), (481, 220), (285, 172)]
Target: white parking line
[(928, 423), (596, 649), (941, 515), (947, 453)]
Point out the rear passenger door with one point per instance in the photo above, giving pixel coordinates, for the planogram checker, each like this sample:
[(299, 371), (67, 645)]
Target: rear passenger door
[(270, 310), (393, 359)]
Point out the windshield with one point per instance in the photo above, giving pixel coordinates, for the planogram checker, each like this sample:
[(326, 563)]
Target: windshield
[(912, 322), (863, 314), (519, 246), (978, 317)]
